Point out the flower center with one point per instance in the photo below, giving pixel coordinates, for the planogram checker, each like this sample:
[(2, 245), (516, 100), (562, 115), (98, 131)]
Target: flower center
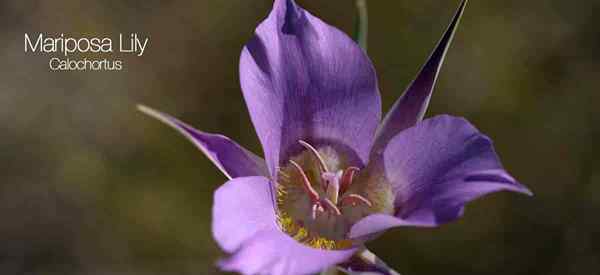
[(317, 199)]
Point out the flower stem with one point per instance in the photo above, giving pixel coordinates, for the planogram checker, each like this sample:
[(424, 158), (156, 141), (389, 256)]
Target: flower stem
[(362, 24), (363, 262), (371, 259)]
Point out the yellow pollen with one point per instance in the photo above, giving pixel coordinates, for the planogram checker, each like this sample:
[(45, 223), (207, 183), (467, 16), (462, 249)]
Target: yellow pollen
[(301, 234)]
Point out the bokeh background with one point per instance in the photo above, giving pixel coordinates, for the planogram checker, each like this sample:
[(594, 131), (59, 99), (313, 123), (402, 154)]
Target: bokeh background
[(88, 185)]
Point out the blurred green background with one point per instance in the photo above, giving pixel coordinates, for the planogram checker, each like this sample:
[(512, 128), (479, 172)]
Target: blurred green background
[(88, 185)]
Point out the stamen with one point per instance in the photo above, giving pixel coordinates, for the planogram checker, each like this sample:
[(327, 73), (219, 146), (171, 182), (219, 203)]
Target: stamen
[(316, 208), (353, 199), (314, 196), (322, 163), (347, 178), (334, 185), (331, 206)]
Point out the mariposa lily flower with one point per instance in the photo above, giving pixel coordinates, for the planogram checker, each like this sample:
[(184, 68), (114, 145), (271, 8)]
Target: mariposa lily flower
[(334, 175)]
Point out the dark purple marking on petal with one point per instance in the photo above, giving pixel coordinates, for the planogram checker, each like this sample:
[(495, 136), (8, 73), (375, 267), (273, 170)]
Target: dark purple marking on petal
[(412, 105), (232, 159), (435, 168), (303, 79)]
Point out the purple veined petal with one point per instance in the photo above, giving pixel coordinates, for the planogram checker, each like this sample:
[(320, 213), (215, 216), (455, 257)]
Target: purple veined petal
[(303, 79), (435, 168), (412, 105), (244, 224), (232, 159)]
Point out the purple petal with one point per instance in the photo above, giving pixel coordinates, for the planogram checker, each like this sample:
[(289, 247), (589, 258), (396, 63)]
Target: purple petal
[(305, 80), (242, 207), (376, 223), (435, 168), (244, 224), (273, 252), (232, 159), (411, 106)]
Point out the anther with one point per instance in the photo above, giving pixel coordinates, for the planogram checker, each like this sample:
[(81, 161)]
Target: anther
[(347, 178), (354, 199), (322, 163), (315, 209)]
